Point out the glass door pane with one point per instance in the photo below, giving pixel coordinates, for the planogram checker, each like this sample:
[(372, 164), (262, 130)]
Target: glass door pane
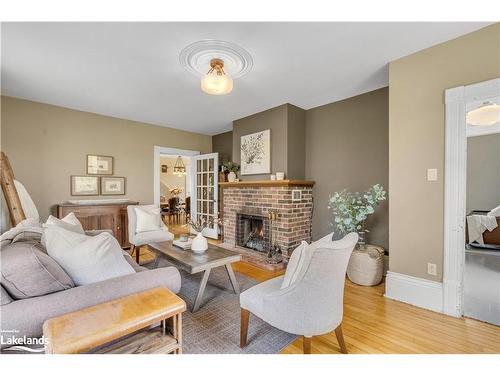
[(206, 188)]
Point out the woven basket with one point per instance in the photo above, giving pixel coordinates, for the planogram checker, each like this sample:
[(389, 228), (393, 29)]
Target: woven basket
[(366, 267)]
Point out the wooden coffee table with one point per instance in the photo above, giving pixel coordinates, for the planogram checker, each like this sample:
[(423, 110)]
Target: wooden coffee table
[(194, 263), (96, 326)]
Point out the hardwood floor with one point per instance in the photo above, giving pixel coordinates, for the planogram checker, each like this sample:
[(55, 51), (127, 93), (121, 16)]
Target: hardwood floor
[(375, 324)]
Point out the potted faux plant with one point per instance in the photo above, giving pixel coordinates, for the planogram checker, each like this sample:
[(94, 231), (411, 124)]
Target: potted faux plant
[(351, 209), (232, 168), (200, 243)]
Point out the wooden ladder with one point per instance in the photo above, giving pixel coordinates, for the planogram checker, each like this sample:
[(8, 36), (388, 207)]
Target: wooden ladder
[(16, 211)]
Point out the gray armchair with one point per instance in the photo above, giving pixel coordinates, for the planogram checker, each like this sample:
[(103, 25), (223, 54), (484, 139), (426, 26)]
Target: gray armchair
[(313, 304)]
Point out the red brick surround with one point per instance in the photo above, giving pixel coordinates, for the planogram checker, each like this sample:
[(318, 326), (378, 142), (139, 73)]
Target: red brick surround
[(253, 197)]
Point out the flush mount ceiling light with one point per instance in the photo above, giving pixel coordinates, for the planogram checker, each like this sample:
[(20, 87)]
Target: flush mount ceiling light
[(216, 82), (224, 62), (179, 167), (487, 114)]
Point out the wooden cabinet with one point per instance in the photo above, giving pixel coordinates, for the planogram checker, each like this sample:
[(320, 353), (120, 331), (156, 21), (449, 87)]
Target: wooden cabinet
[(112, 216)]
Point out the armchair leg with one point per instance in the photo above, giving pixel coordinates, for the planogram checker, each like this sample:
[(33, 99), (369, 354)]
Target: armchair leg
[(137, 254), (245, 315), (340, 339), (306, 344)]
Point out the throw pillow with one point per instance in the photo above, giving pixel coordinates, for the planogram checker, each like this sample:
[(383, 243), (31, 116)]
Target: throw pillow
[(86, 259), (69, 222), (295, 265), (148, 219), (28, 272)]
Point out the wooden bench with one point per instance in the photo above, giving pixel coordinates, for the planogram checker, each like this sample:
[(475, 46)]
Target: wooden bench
[(128, 319)]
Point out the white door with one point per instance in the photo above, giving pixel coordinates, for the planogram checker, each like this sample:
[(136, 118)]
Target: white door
[(205, 191)]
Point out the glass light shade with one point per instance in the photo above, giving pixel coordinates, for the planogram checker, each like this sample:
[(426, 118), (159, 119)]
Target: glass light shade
[(488, 114), (214, 84)]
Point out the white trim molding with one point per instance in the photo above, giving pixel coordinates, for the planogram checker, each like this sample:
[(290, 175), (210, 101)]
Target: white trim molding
[(455, 181), (157, 151), (423, 293), (455, 174)]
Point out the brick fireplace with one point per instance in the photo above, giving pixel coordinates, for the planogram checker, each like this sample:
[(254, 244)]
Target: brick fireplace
[(246, 207)]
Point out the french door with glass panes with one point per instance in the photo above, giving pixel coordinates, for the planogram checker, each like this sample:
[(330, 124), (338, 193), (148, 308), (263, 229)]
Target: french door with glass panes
[(205, 191)]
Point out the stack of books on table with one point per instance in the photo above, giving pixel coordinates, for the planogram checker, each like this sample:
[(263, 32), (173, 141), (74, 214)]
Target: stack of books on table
[(183, 244)]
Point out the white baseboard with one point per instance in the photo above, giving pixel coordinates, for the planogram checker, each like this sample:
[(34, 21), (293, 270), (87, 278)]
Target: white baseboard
[(415, 291)]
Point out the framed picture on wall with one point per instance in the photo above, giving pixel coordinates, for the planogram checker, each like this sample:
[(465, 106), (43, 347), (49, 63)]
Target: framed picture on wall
[(112, 185), (256, 153), (99, 164), (84, 185)]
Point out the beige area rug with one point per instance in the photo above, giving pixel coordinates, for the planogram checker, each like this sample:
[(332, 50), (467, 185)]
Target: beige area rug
[(215, 327)]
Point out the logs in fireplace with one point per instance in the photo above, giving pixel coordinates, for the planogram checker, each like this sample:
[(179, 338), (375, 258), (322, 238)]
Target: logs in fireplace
[(253, 232)]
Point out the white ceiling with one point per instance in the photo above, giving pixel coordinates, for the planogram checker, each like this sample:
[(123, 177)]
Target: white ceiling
[(132, 70)]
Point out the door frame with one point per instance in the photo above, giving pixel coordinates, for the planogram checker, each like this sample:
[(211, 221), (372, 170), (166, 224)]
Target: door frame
[(455, 182), (157, 152), (215, 155)]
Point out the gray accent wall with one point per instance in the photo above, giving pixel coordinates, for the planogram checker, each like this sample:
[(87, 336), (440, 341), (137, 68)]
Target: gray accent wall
[(342, 145), (347, 147), (223, 144), (483, 172), (296, 145), (286, 123)]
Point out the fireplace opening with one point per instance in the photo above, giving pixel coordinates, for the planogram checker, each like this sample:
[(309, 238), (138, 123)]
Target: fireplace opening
[(252, 232)]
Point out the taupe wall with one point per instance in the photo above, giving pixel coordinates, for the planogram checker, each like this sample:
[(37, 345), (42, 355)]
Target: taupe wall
[(46, 144), (347, 148), (416, 142), (274, 119), (223, 144), (483, 172)]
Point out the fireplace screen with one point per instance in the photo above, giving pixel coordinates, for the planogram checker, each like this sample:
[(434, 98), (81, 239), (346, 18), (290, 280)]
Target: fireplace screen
[(253, 232)]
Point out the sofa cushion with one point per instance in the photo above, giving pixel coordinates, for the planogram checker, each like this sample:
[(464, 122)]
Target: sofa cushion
[(26, 271), (4, 297), (87, 259)]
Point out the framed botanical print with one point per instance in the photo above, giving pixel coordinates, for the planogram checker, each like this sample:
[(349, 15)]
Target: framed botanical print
[(112, 185), (84, 185), (256, 153), (99, 164)]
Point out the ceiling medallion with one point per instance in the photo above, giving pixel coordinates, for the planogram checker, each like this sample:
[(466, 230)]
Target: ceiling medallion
[(217, 63)]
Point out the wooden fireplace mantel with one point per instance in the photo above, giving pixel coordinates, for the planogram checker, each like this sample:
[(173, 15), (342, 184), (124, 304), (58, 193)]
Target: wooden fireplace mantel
[(265, 183)]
